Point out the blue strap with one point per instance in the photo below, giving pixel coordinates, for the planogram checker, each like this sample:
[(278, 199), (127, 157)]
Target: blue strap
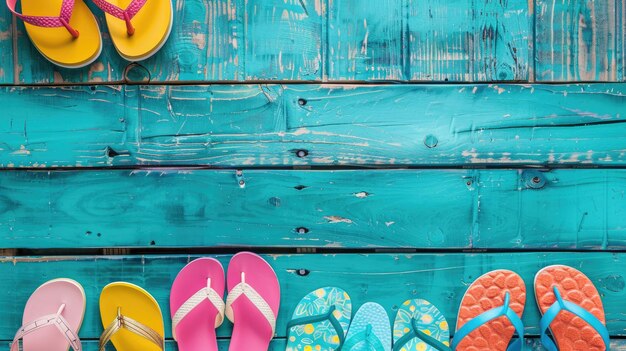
[(364, 336), (328, 316), (416, 333), (562, 305), (488, 316)]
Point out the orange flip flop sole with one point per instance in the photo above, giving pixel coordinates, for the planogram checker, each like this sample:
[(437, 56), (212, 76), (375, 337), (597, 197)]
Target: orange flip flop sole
[(568, 331), (485, 293)]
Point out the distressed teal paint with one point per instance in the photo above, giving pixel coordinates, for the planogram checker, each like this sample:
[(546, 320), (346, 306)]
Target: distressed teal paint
[(366, 42), (6, 46), (510, 209), (467, 40), (384, 278), (576, 40), (265, 125), (284, 39)]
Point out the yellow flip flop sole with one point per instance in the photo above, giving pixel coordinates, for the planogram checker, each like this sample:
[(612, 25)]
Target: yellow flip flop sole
[(152, 24), (55, 43), (136, 304)]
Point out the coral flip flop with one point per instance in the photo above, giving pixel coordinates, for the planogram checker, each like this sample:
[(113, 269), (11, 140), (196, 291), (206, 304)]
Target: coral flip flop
[(64, 31), (370, 330), (419, 325), (52, 318), (197, 305), (138, 28), (491, 313), (131, 318), (320, 321), (252, 303), (581, 325)]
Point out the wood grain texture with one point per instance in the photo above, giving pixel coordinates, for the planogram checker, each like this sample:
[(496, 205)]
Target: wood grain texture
[(265, 125), (284, 39), (468, 40), (577, 40), (384, 278), (366, 42), (6, 46), (279, 344), (573, 209)]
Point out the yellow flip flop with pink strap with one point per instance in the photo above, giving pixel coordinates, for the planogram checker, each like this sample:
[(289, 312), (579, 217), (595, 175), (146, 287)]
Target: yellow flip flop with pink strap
[(138, 28), (64, 31)]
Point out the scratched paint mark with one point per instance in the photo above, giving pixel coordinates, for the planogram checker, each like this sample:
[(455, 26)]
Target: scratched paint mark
[(337, 219)]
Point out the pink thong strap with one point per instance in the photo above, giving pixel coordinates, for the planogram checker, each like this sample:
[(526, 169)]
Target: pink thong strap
[(63, 20), (123, 14), (52, 319)]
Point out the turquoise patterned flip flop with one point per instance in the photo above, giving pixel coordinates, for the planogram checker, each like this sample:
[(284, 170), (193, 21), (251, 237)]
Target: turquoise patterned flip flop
[(320, 321), (370, 330), (420, 326)]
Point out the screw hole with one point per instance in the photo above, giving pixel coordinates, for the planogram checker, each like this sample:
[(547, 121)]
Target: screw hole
[(302, 153), (469, 182), (536, 180), (302, 102), (303, 272), (99, 235), (302, 230)]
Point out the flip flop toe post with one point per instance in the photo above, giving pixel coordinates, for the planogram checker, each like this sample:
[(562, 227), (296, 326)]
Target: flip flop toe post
[(419, 325)]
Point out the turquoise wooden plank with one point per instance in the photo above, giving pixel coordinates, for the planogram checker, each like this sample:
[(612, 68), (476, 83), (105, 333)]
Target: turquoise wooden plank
[(388, 279), (280, 344), (6, 46), (507, 209), (576, 40), (365, 42), (343, 125), (284, 39), (468, 40)]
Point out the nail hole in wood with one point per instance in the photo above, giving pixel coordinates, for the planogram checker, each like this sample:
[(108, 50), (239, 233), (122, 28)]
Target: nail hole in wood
[(92, 88), (302, 153), (98, 235), (300, 187), (302, 102), (152, 243), (302, 230), (111, 153), (303, 272), (87, 233)]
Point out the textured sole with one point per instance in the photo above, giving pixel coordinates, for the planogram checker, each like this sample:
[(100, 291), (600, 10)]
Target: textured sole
[(570, 332), (485, 293)]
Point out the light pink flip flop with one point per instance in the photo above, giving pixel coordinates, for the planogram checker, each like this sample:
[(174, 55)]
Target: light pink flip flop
[(252, 303), (52, 317), (197, 305)]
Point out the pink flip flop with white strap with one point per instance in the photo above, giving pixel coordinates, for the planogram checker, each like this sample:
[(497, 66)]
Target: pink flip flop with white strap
[(197, 305), (52, 318), (252, 303)]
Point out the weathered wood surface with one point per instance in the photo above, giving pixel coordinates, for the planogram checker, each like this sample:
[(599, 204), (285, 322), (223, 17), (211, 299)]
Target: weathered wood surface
[(467, 40), (266, 125), (384, 278), (6, 46), (279, 344), (311, 40), (511, 209), (578, 40)]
